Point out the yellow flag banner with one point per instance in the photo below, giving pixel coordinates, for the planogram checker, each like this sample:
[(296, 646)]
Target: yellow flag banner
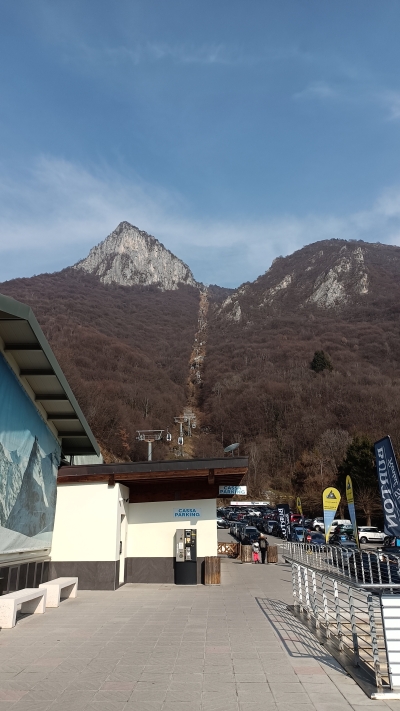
[(299, 506), (330, 503), (351, 507)]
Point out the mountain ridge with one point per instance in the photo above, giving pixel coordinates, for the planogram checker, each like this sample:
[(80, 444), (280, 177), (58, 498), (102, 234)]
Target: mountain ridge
[(130, 256), (331, 275), (127, 351)]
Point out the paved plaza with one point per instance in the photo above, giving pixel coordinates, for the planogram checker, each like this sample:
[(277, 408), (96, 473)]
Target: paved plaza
[(234, 647)]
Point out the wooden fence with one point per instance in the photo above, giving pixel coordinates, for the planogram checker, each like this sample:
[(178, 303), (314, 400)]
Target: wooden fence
[(230, 549)]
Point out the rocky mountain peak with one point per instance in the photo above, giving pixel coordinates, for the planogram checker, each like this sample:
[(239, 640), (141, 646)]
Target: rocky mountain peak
[(331, 275), (130, 256)]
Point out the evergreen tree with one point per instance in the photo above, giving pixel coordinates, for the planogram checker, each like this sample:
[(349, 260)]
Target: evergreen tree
[(359, 464), (321, 362)]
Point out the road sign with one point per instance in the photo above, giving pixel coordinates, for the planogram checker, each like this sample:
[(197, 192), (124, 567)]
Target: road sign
[(187, 513), (232, 490)]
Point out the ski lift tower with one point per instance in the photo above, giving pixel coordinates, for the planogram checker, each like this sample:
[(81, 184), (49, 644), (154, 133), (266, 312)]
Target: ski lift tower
[(149, 436), (179, 421), (188, 419)]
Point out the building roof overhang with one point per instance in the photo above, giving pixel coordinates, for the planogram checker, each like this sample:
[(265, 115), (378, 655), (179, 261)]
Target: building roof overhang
[(164, 480), (26, 349)]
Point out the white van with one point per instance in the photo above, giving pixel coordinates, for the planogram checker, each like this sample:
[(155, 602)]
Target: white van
[(340, 522)]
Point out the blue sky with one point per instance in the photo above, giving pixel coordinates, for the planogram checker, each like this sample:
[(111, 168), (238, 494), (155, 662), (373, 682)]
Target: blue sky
[(233, 131)]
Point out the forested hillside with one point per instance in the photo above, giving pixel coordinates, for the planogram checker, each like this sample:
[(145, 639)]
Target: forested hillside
[(125, 350), (259, 388), (301, 367)]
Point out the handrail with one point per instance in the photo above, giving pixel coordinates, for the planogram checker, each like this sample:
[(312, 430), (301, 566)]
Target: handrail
[(349, 617), (365, 569), (353, 598)]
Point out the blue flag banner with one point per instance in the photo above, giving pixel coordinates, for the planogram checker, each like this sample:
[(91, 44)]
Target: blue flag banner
[(389, 485)]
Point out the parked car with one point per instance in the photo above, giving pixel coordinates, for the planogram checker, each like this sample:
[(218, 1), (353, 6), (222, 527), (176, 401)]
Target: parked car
[(274, 529), (389, 541), (295, 518), (249, 534), (271, 524), (338, 532), (341, 537), (318, 524), (340, 522), (236, 528), (254, 512), (222, 523), (240, 528), (370, 534), (298, 534), (315, 538)]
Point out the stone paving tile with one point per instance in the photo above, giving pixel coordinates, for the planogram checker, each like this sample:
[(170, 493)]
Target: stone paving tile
[(106, 706), (181, 706), (143, 706), (29, 705), (219, 705), (162, 648), (257, 706)]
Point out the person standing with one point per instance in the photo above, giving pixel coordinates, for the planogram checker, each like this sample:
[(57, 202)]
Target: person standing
[(256, 552), (263, 543)]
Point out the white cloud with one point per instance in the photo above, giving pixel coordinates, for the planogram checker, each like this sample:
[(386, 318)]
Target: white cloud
[(362, 94), (52, 215), (391, 101), (151, 52), (207, 54), (319, 90)]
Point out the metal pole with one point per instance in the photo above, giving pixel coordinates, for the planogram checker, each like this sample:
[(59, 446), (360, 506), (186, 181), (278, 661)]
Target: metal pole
[(374, 642), (300, 588), (326, 609), (337, 612), (353, 628), (295, 603), (314, 596), (307, 591), (149, 451)]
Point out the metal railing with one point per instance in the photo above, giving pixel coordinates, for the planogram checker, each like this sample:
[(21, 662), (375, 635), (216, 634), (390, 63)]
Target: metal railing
[(348, 616), (367, 568), (351, 599)]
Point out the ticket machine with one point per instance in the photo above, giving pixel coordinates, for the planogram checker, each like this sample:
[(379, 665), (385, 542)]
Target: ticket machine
[(186, 556)]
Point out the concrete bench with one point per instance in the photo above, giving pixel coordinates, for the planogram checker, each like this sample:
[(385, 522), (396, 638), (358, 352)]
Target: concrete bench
[(58, 588), (28, 600)]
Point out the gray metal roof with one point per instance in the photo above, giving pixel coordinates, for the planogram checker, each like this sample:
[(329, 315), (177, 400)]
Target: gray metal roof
[(36, 366)]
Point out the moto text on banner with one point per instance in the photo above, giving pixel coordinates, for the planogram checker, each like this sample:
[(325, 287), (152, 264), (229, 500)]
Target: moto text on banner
[(284, 520), (389, 485)]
